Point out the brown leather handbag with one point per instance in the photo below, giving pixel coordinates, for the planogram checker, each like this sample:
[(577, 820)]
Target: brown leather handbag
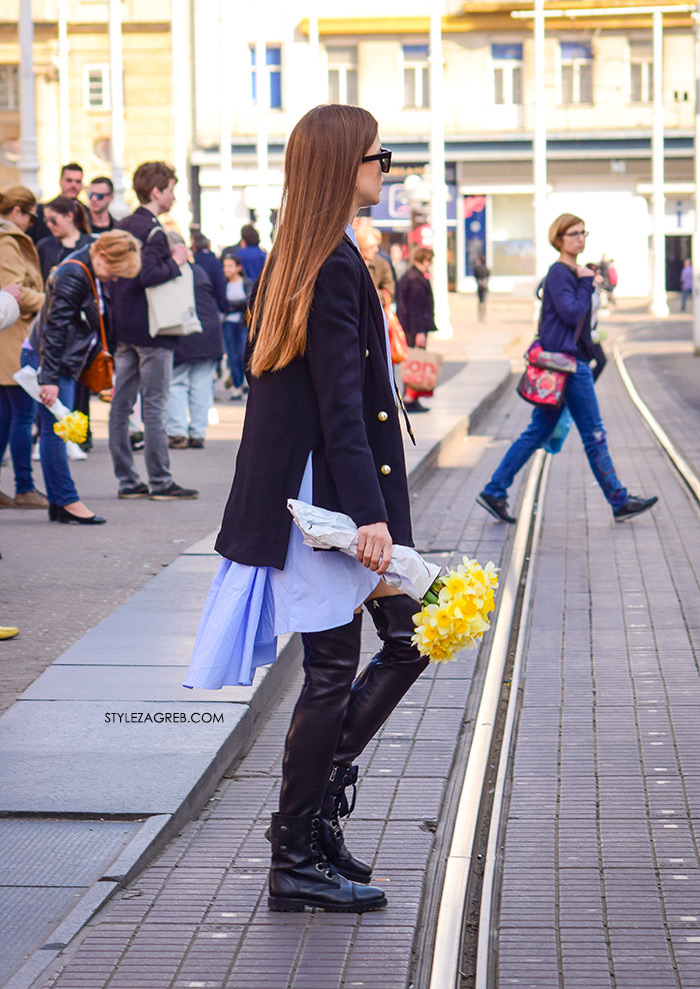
[(98, 373)]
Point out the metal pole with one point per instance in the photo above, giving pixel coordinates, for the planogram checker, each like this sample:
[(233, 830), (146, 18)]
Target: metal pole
[(314, 51), (438, 208), (63, 83), (28, 165), (539, 147), (659, 306), (262, 93), (116, 78), (181, 93), (226, 235), (696, 232)]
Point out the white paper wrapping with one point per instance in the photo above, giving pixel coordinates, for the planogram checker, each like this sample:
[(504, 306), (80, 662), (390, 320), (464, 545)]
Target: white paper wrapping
[(27, 378), (322, 529)]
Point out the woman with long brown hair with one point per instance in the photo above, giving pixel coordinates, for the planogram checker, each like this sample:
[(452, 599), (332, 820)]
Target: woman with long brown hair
[(322, 425)]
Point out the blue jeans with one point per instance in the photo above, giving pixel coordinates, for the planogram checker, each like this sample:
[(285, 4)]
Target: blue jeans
[(146, 370), (17, 411), (60, 489), (234, 341), (582, 403), (686, 293), (191, 386)]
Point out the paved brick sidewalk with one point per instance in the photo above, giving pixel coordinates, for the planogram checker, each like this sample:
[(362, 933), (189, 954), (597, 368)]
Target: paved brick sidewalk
[(601, 881), (198, 915)]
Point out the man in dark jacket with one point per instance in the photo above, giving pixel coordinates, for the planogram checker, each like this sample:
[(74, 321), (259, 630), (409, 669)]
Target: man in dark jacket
[(196, 357), (71, 183), (205, 257), (144, 363)]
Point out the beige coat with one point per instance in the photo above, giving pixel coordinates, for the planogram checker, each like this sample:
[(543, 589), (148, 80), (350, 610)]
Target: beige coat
[(19, 263)]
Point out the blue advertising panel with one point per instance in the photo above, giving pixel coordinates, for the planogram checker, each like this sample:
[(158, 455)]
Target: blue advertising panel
[(474, 230)]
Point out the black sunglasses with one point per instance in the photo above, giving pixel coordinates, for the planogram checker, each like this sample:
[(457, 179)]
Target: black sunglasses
[(384, 159)]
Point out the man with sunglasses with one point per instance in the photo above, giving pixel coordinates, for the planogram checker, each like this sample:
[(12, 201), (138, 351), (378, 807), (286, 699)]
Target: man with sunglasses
[(100, 196)]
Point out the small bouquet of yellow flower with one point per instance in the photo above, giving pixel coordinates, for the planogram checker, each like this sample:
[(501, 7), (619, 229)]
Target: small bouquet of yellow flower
[(455, 611), (70, 426)]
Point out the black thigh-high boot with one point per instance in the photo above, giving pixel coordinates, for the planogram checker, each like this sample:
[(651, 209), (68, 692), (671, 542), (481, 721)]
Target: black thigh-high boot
[(300, 874), (374, 695)]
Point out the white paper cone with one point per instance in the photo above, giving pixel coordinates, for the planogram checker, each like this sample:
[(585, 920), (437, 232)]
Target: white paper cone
[(322, 529), (27, 378)]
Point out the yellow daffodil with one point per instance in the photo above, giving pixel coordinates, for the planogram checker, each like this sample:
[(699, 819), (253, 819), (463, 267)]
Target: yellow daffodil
[(72, 428), (455, 611)]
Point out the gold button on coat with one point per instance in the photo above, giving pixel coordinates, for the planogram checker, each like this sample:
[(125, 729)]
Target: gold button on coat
[(385, 469), (367, 353), (382, 416)]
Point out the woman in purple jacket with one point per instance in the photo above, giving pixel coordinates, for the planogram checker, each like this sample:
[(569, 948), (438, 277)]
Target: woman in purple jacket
[(565, 326)]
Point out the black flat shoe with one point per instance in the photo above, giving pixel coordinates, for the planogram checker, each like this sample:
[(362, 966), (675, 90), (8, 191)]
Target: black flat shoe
[(63, 515), (53, 513)]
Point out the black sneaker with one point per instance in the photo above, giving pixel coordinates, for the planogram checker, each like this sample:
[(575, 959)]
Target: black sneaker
[(195, 443), (498, 507), (135, 491), (174, 493), (136, 441), (415, 406), (634, 506)]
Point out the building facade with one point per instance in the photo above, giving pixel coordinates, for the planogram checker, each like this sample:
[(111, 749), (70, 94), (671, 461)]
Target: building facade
[(193, 86)]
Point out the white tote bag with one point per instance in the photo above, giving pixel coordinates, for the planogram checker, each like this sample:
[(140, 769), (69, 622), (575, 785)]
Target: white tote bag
[(171, 309)]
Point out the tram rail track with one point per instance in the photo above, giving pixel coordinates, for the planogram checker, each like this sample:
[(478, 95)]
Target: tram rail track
[(470, 878)]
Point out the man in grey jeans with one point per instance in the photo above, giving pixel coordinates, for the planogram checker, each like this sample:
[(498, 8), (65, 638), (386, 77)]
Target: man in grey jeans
[(143, 363)]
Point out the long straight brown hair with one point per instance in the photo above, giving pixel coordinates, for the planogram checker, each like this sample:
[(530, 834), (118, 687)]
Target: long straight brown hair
[(323, 155)]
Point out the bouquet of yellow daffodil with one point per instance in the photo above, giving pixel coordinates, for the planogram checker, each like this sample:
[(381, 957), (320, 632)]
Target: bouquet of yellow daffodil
[(455, 611), (72, 427)]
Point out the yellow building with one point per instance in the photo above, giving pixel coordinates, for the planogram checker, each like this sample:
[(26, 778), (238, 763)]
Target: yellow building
[(148, 104)]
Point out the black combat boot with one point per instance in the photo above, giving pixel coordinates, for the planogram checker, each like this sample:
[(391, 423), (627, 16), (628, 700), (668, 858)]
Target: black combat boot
[(335, 805), (374, 695), (302, 877)]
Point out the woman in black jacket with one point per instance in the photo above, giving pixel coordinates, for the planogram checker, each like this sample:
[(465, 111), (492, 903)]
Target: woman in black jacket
[(67, 338), (65, 218), (322, 425), (415, 307)]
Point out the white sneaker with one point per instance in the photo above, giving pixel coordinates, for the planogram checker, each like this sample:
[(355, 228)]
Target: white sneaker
[(35, 452), (74, 452), (213, 416)]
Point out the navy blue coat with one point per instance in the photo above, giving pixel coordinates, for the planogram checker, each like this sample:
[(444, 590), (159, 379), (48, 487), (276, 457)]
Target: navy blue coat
[(214, 268), (336, 401), (209, 344), (129, 302)]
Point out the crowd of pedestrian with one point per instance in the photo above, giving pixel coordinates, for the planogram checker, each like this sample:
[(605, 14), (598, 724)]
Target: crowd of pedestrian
[(84, 283)]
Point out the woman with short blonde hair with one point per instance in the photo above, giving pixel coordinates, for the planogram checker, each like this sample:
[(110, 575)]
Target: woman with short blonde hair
[(65, 343)]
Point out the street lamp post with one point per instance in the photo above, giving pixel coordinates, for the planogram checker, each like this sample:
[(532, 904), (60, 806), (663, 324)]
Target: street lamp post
[(438, 216), (659, 304), (539, 146), (116, 79), (696, 232), (28, 164)]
